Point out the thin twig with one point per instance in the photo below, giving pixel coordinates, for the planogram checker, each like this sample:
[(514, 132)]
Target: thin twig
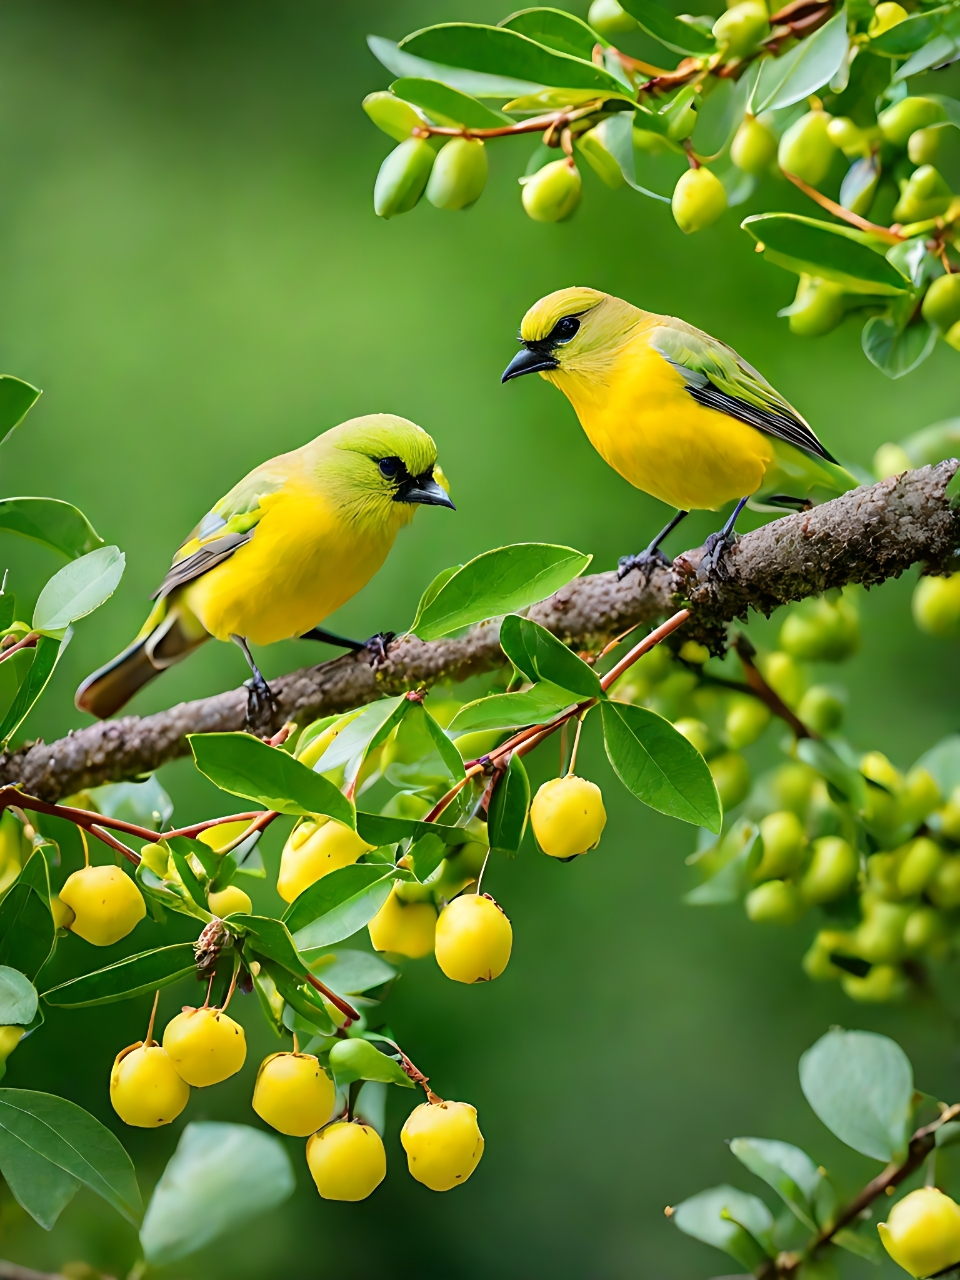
[(28, 642), (838, 211), (337, 1001)]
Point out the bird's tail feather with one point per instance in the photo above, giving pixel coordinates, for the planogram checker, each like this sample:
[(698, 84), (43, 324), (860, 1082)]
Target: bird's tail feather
[(110, 688)]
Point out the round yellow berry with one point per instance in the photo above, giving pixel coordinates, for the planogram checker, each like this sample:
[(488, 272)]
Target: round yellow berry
[(224, 902), (568, 816), (106, 903), (474, 939), (205, 1046), (315, 848), (443, 1143), (347, 1160), (922, 1233), (294, 1094), (145, 1089), (406, 928)]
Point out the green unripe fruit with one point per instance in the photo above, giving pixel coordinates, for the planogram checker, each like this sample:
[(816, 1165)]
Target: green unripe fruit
[(950, 816), (818, 307), (731, 774), (402, 177), (832, 870), (205, 1046), (920, 795), (683, 122), (698, 200), (346, 1160), (941, 304), (793, 786), (443, 1143), (881, 875), (775, 902), (905, 117), (806, 149), (145, 1089), (459, 174), (567, 816), (846, 136), (925, 195), (821, 709), (890, 460), (821, 631), (106, 904), (924, 145), (695, 732), (952, 336), (923, 1232), (600, 160), (783, 845), (754, 148), (473, 939), (609, 20), (391, 114), (817, 963), (886, 15), (746, 719), (882, 984), (553, 192), (784, 677), (293, 1094), (936, 606), (875, 766), (879, 938), (944, 889), (742, 27), (859, 185), (925, 930), (919, 865)]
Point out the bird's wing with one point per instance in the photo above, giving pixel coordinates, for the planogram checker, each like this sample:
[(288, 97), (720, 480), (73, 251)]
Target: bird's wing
[(718, 378), (226, 526)]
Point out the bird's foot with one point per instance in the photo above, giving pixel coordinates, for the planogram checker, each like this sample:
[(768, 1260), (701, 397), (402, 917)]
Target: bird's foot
[(262, 702), (644, 563), (714, 562), (377, 646)]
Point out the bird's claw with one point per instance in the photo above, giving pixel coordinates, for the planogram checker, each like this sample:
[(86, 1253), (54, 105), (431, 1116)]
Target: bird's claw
[(377, 646), (262, 702), (645, 563), (714, 562)]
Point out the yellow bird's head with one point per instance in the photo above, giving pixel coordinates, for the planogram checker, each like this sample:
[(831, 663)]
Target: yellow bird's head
[(384, 467), (576, 330)]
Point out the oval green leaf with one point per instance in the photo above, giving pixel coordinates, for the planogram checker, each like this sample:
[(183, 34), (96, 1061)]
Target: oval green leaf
[(730, 1220), (357, 1059), (344, 908), (509, 809), (511, 710), (476, 83), (18, 998), (541, 656), (806, 67), (17, 398), (55, 524), (842, 254), (46, 655), (78, 589), (563, 32), (133, 976), (681, 37), (446, 106)]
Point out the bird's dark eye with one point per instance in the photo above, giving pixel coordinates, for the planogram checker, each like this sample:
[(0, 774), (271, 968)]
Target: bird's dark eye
[(390, 468), (565, 329)]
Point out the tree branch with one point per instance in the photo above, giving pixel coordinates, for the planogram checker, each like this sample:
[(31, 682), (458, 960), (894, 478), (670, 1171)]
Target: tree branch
[(871, 534)]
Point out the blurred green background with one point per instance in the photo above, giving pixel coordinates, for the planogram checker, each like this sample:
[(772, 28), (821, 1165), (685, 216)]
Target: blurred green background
[(192, 271)]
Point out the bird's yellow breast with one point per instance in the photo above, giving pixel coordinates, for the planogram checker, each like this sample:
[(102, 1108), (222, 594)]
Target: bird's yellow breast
[(304, 560), (640, 418)]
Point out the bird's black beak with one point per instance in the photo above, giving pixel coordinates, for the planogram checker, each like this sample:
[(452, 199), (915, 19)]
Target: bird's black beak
[(529, 360), (425, 491)]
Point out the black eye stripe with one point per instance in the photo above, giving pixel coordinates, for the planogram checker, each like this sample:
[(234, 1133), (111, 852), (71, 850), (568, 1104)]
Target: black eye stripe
[(565, 329), (391, 468)]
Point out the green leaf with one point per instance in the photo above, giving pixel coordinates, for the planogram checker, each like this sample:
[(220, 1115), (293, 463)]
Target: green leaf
[(499, 581), (247, 767), (476, 83), (46, 655), (69, 1138), (78, 589), (427, 854), (27, 932), (538, 655), (942, 762), (357, 1059), (509, 808), (350, 973), (53, 523), (446, 106), (180, 850), (302, 998), (145, 803), (862, 1245), (808, 66), (896, 350), (785, 1168), (132, 976), (659, 765), (861, 1086), (501, 52), (557, 30), (220, 1177), (618, 139), (339, 904), (271, 938), (848, 781), (511, 710), (942, 48), (17, 398), (681, 37), (380, 830), (842, 254), (18, 998), (362, 734), (909, 35), (42, 1188), (746, 1237)]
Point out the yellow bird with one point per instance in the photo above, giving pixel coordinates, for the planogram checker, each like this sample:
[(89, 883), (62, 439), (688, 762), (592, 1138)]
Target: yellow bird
[(676, 412), (293, 541)]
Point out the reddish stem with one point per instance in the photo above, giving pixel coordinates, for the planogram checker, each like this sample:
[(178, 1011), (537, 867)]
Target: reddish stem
[(838, 211), (338, 1001), (28, 642)]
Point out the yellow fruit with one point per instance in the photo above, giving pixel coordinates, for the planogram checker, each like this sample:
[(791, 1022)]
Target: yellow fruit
[(567, 816), (63, 916), (294, 1094), (106, 902), (473, 940), (806, 149), (882, 984), (459, 174), (832, 870), (936, 606), (224, 833), (402, 177), (731, 773), (347, 1160), (443, 1143), (406, 928), (783, 845), (754, 148), (225, 902), (775, 902), (698, 200), (886, 15), (145, 1089), (919, 865), (922, 1232), (205, 1046), (315, 847), (553, 192)]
